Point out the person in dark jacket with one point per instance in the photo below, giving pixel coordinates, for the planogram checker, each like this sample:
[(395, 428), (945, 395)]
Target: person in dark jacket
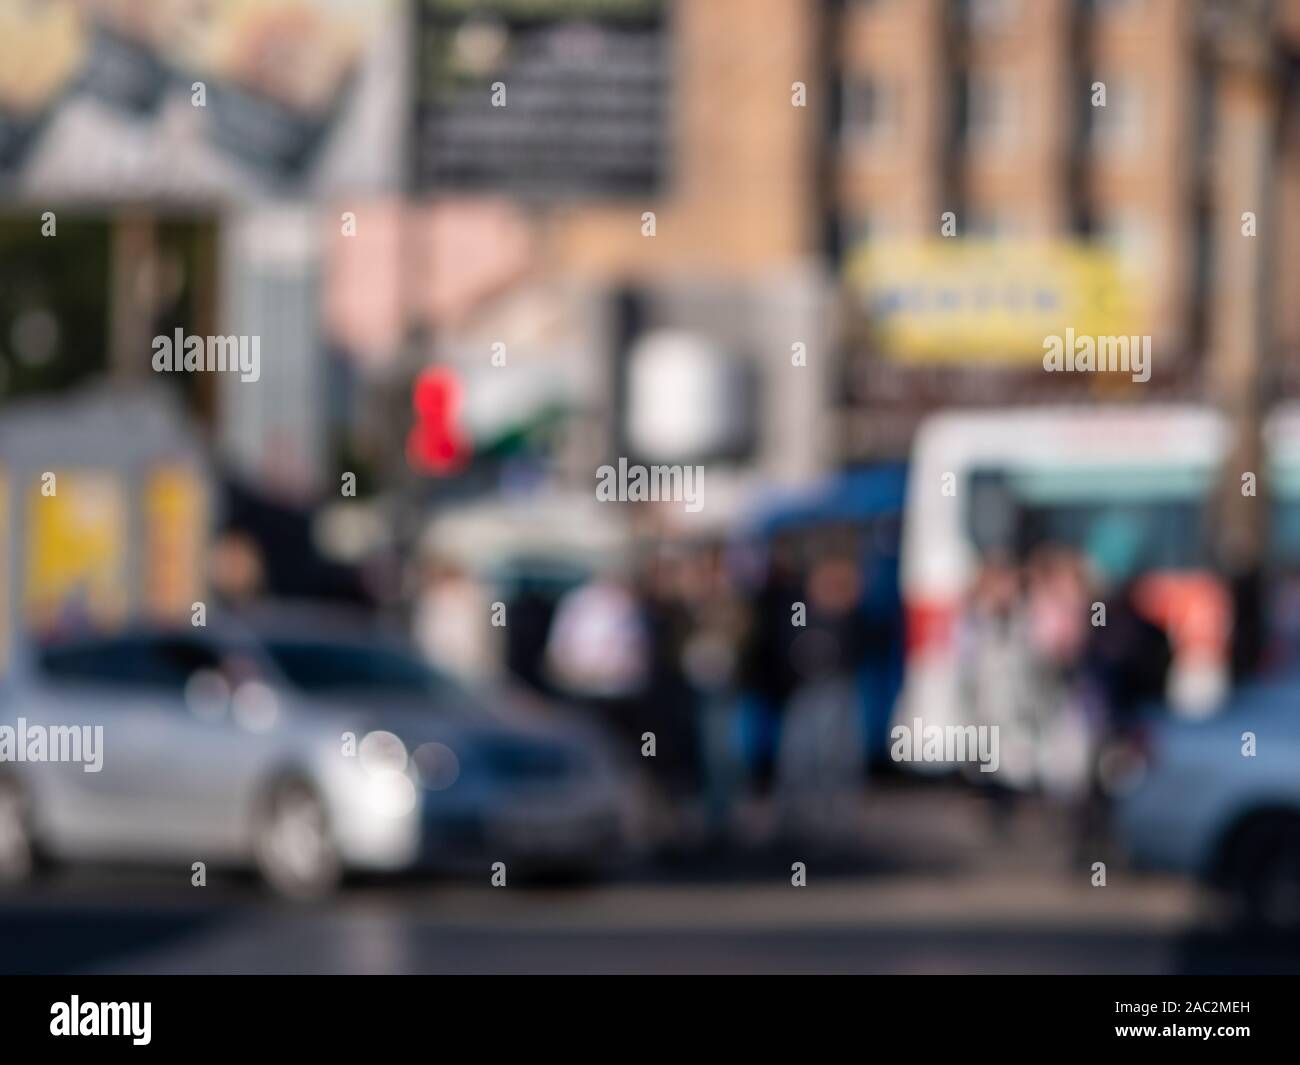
[(766, 671), (1126, 667)]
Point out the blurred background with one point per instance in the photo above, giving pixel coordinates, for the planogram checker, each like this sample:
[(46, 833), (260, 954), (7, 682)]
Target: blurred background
[(811, 246)]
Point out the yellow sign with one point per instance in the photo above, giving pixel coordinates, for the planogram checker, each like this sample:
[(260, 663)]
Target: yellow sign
[(76, 549), (953, 300), (175, 524)]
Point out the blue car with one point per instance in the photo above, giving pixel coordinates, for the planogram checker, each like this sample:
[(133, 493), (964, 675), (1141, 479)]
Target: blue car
[(1219, 799)]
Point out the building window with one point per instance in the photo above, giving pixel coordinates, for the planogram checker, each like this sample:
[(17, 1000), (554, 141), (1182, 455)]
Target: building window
[(992, 121), (1113, 7), (1117, 127), (991, 16), (869, 111)]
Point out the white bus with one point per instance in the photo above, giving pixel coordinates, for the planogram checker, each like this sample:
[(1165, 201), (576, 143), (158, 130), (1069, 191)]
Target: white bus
[(1126, 483)]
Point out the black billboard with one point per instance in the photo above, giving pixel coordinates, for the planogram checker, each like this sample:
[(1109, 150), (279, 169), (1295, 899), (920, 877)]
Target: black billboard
[(542, 99)]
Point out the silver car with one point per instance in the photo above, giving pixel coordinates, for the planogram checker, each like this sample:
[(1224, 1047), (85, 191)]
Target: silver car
[(303, 755)]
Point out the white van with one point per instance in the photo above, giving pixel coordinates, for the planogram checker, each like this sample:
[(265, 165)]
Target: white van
[(1120, 481)]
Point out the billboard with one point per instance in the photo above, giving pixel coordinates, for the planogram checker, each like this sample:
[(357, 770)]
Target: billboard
[(105, 513), (176, 521), (958, 301), (541, 98), (76, 548), (170, 98)]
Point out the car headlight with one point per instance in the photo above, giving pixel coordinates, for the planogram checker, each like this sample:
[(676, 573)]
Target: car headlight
[(389, 790), (382, 752), (390, 794)]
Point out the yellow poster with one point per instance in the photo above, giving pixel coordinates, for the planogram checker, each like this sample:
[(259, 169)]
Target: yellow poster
[(175, 528), (76, 549), (955, 300)]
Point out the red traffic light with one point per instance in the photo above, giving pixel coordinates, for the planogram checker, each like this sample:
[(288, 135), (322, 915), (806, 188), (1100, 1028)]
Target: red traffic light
[(436, 444)]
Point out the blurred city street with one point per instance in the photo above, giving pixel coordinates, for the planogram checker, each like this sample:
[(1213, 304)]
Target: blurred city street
[(916, 904), (649, 486)]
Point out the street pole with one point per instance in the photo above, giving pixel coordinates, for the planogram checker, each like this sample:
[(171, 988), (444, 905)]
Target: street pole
[(1238, 42)]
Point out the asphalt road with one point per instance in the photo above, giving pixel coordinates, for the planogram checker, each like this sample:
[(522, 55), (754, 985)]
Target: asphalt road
[(929, 892), (893, 924)]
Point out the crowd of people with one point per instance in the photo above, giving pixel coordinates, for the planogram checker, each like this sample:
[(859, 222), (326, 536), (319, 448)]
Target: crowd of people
[(726, 674), (750, 686), (1061, 661)]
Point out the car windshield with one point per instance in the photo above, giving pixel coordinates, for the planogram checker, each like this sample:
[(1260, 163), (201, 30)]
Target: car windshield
[(325, 666)]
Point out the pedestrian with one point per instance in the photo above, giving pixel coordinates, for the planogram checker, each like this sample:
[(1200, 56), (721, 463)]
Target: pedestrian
[(822, 763)]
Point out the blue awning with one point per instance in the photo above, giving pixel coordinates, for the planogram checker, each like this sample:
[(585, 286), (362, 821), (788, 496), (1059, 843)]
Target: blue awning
[(850, 496)]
